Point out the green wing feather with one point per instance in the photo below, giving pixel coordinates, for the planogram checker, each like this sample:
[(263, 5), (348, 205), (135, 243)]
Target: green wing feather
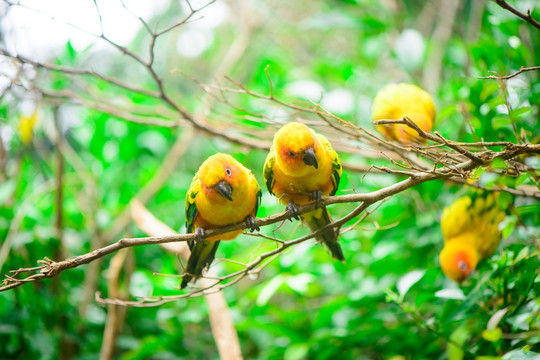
[(203, 252), (255, 185), (268, 173), (191, 207), (336, 163), (202, 255)]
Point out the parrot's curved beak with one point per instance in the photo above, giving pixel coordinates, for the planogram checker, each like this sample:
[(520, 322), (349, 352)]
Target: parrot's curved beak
[(309, 158), (224, 189)]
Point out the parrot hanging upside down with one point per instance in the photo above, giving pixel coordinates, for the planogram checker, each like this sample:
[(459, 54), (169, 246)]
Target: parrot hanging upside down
[(471, 233), (395, 101), (300, 168), (223, 192)]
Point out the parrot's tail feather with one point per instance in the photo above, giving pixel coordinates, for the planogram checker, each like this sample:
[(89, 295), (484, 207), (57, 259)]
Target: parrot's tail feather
[(317, 219), (202, 255), (335, 250), (185, 280)]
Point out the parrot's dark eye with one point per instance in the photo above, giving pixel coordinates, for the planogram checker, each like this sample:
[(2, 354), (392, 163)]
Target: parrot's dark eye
[(228, 171), (291, 153)]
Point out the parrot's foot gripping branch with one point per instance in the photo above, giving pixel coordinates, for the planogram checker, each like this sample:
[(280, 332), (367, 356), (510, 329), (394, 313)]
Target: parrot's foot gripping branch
[(292, 207), (199, 234), (251, 225), (316, 195)]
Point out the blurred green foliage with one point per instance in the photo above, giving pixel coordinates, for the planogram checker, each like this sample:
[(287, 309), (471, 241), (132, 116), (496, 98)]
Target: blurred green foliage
[(390, 300)]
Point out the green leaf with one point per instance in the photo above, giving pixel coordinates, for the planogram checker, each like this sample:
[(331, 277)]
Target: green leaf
[(521, 111), (270, 289), (296, 352), (408, 280), (500, 121), (492, 335), (523, 354), (458, 337), (496, 318)]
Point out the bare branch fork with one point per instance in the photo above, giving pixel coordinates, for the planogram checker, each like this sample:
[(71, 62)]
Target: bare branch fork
[(480, 158), (148, 65)]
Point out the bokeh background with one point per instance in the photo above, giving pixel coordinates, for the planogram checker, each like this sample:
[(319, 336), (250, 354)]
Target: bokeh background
[(390, 300)]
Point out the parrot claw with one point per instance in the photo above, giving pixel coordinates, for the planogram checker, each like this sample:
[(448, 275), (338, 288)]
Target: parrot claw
[(293, 209), (250, 224), (199, 234), (316, 195)]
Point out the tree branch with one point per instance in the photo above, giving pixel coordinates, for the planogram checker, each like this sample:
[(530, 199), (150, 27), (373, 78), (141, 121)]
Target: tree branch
[(521, 70), (527, 17), (51, 268)]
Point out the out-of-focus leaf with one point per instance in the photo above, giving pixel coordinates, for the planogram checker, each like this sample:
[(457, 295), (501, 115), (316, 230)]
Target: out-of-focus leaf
[(521, 111), (6, 189), (270, 289), (300, 282), (296, 352), (458, 338), (492, 335), (496, 319), (523, 354), (408, 280), (140, 285)]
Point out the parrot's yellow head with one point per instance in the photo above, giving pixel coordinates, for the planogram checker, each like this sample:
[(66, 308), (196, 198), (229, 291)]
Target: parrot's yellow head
[(458, 259), (220, 175), (298, 152), (395, 101), (407, 135)]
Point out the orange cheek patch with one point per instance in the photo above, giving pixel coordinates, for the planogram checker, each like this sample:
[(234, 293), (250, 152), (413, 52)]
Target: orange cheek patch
[(208, 191), (286, 158), (461, 257)]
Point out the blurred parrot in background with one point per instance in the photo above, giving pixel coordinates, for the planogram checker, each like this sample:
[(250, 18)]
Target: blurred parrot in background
[(26, 127), (470, 227), (300, 168), (223, 192), (395, 101)]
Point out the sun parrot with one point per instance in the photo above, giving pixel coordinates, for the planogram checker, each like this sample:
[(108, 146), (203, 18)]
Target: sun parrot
[(395, 101), (300, 168), (26, 127), (223, 192), (471, 233)]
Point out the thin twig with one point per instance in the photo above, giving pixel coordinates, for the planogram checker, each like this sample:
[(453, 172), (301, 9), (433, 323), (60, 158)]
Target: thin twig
[(521, 70), (527, 17)]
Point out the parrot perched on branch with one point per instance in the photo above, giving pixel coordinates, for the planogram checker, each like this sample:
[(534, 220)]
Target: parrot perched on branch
[(300, 168), (223, 192), (470, 227), (395, 101)]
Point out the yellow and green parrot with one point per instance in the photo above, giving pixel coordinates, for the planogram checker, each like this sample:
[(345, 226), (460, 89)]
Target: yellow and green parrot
[(395, 101), (300, 168), (223, 192), (470, 228)]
